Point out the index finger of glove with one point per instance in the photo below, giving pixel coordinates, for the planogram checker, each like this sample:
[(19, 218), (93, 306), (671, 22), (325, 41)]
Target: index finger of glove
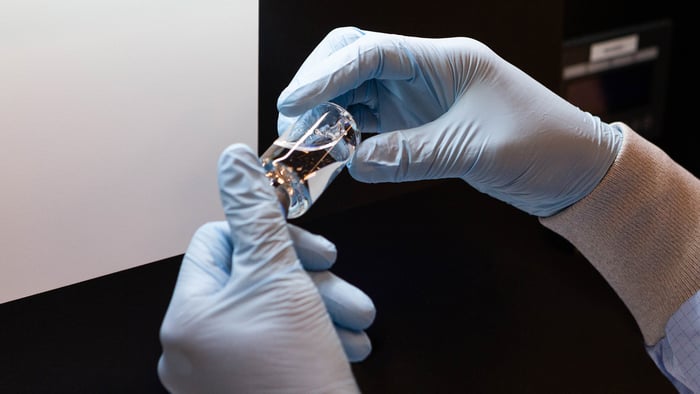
[(260, 239), (348, 306), (335, 40), (315, 252), (370, 56)]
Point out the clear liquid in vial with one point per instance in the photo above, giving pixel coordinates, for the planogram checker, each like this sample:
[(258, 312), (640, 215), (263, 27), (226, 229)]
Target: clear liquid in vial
[(305, 172)]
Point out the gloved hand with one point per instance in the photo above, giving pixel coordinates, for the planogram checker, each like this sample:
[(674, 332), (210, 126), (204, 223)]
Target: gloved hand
[(245, 317), (452, 108)]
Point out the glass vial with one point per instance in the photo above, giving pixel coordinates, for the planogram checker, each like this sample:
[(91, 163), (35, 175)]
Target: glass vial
[(306, 158)]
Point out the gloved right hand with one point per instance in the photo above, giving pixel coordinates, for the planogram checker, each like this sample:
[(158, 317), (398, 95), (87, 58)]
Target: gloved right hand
[(452, 108), (255, 309)]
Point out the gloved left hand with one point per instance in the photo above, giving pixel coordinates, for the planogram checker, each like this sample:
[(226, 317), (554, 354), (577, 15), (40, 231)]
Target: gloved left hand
[(245, 316)]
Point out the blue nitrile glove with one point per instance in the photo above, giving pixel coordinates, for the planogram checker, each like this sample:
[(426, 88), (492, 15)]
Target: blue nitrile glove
[(245, 315), (452, 108)]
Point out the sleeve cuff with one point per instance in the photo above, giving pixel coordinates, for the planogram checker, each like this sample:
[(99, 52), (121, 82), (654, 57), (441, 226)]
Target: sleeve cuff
[(640, 228)]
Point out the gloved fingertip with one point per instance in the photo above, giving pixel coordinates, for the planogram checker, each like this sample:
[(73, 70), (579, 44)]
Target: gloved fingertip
[(233, 153), (241, 174), (291, 103), (326, 251), (315, 252), (366, 163), (347, 305), (396, 156), (366, 312), (284, 123), (250, 204), (356, 344)]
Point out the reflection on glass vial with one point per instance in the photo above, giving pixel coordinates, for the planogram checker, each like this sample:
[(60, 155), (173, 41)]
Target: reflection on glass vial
[(304, 160)]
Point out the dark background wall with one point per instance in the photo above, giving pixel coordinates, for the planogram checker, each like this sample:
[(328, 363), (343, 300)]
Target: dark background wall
[(582, 17), (472, 295)]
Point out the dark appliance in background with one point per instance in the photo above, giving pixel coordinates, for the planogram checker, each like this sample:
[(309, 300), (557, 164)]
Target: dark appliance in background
[(621, 75)]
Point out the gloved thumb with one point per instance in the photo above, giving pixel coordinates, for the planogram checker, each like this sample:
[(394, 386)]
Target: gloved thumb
[(408, 155), (259, 234)]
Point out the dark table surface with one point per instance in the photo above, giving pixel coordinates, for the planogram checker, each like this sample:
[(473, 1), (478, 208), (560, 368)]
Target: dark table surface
[(471, 294)]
